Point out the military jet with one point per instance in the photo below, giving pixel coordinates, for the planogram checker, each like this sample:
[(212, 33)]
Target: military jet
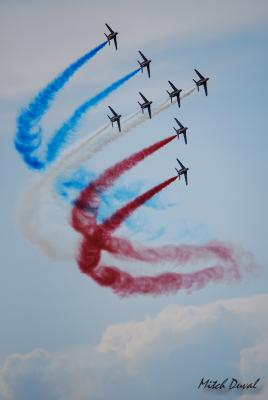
[(146, 104), (175, 93), (182, 130), (182, 171), (115, 118), (202, 82), (111, 36), (145, 63)]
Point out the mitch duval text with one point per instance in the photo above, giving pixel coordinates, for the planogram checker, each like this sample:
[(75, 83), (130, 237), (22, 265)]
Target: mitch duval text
[(227, 383)]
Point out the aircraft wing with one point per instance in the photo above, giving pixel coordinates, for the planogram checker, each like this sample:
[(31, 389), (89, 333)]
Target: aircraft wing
[(178, 122), (206, 88), (119, 126), (144, 98), (200, 75), (114, 113), (149, 111), (173, 86), (186, 178), (143, 56), (148, 69), (181, 164), (110, 29), (179, 99), (115, 42), (185, 137)]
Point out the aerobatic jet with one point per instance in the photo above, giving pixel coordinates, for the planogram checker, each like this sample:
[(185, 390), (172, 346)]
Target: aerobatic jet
[(175, 93), (145, 63), (146, 104), (202, 82), (111, 36), (115, 118), (182, 171), (182, 130)]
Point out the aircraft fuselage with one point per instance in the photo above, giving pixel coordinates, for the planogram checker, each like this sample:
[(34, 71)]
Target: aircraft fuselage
[(146, 104), (111, 36), (115, 118), (202, 81), (175, 93), (182, 172), (144, 64), (181, 130)]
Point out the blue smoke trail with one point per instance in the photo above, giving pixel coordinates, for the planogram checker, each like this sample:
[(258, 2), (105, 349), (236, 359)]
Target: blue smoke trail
[(115, 197), (62, 136), (27, 138), (69, 189)]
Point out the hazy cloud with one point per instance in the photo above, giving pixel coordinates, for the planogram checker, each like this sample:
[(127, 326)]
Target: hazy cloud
[(166, 355)]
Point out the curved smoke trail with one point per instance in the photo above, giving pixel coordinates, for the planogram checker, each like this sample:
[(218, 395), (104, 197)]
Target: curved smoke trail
[(97, 238), (32, 220), (61, 137), (29, 135)]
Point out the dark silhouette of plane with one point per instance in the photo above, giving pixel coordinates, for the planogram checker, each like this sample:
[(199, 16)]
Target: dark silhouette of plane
[(111, 36), (145, 63), (202, 82), (146, 104), (182, 130), (115, 118), (182, 171), (175, 93)]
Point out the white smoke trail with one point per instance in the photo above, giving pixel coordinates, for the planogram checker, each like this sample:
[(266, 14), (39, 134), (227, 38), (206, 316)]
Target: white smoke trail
[(43, 219)]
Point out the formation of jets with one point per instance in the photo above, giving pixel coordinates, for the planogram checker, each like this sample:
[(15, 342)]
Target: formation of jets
[(175, 93)]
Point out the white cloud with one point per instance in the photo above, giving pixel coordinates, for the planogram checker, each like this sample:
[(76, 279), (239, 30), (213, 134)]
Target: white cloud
[(254, 360), (165, 355), (133, 340)]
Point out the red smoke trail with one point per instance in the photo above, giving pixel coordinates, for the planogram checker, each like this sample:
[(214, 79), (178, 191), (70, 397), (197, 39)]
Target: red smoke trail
[(181, 254), (125, 284), (87, 203), (97, 238), (123, 213)]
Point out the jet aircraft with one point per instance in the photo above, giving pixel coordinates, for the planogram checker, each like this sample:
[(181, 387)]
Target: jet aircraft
[(182, 130), (115, 118), (145, 63), (202, 82), (111, 36), (175, 93), (182, 171), (146, 104)]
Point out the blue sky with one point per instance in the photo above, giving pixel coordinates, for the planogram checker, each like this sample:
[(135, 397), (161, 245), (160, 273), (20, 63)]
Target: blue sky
[(47, 304)]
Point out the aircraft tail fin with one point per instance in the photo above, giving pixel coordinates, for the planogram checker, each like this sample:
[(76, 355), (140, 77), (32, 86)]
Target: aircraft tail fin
[(176, 132), (140, 65), (196, 84), (110, 119), (169, 95), (107, 38)]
